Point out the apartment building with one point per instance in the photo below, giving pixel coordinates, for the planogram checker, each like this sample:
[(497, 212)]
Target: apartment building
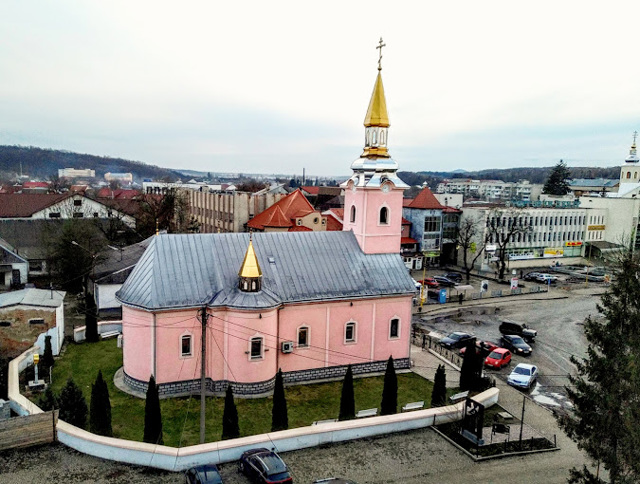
[(491, 190)]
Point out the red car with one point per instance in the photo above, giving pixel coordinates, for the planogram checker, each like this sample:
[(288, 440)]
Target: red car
[(430, 282), (498, 358), (482, 347)]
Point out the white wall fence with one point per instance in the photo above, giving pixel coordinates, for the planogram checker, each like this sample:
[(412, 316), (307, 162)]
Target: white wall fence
[(79, 333), (177, 459)]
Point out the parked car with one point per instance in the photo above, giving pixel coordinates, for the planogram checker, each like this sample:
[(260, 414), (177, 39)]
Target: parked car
[(444, 281), (519, 329), (523, 376), (264, 466), (205, 474), (457, 339), (531, 276), (547, 278), (482, 347), (429, 281), (516, 344), (498, 358), (454, 276)]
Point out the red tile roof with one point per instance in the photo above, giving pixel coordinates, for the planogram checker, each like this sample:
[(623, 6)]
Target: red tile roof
[(451, 210), (32, 184), (311, 190), (406, 202), (405, 221), (300, 228), (292, 206), (425, 200), (14, 205), (408, 240), (335, 216), (120, 193)]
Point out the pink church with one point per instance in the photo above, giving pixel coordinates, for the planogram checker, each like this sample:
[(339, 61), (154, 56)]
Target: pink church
[(308, 303)]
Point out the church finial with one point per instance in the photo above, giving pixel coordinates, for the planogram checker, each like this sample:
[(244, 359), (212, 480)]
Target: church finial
[(635, 135), (633, 152), (380, 46), (250, 274)]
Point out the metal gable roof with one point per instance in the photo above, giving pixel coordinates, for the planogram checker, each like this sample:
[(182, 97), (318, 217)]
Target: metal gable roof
[(190, 270)]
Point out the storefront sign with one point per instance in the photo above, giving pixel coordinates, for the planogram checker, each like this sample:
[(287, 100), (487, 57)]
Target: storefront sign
[(544, 204), (573, 244), (553, 252), (595, 227)]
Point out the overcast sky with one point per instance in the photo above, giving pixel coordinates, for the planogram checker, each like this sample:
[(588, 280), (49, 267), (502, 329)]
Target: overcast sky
[(272, 87)]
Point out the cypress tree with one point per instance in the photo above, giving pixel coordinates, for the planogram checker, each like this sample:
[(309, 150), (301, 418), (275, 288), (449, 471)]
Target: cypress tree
[(347, 400), (279, 417), (48, 400), (230, 426), (557, 183), (389, 404), (471, 367), (91, 320), (100, 408), (439, 393), (152, 415), (73, 407), (47, 357)]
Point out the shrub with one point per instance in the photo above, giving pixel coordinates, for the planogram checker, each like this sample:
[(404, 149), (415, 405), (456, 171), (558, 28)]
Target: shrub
[(389, 404), (100, 408), (152, 415), (471, 369), (48, 400), (347, 399), (230, 426), (47, 357), (91, 320), (73, 407), (439, 393), (279, 417)]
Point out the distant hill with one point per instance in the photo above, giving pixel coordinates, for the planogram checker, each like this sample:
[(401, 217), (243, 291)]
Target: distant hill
[(43, 163), (534, 175)]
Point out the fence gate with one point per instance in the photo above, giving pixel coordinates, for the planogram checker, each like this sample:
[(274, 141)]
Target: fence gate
[(30, 430)]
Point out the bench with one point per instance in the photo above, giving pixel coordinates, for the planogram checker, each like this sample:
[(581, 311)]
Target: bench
[(329, 420), (110, 334), (459, 396), (370, 412), (413, 406)]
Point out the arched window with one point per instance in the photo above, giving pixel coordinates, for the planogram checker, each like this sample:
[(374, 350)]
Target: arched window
[(382, 141), (628, 174), (303, 337), (384, 216), (350, 332), (352, 219), (374, 138), (394, 328)]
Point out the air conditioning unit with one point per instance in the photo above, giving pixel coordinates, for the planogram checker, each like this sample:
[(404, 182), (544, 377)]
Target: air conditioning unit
[(287, 346)]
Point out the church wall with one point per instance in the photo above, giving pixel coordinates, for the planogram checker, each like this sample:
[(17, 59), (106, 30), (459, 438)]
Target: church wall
[(314, 317), (171, 365), (386, 310), (136, 346)]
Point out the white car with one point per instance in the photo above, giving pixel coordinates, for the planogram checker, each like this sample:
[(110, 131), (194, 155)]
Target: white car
[(523, 376), (546, 278)]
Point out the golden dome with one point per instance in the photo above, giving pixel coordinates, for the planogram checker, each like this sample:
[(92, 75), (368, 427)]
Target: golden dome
[(250, 267), (377, 112)]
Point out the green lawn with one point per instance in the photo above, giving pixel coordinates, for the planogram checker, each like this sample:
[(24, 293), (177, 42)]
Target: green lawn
[(180, 416)]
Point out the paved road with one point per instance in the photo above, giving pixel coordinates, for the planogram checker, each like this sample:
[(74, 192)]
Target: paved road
[(558, 317)]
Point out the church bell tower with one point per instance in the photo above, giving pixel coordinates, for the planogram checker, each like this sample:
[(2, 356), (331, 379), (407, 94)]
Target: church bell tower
[(373, 194)]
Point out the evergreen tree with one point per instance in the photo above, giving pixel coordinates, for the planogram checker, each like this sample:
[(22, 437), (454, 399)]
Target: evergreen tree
[(91, 319), (389, 404), (347, 400), (439, 393), (73, 407), (100, 408), (471, 369), (48, 400), (47, 357), (279, 417), (152, 415), (230, 427), (557, 183), (605, 390)]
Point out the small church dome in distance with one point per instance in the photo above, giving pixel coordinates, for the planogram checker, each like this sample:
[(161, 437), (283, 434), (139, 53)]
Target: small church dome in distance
[(250, 275)]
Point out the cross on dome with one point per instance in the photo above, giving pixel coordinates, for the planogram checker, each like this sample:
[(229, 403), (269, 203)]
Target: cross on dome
[(380, 46)]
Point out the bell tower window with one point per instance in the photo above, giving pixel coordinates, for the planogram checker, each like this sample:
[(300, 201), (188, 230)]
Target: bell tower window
[(352, 217), (384, 216)]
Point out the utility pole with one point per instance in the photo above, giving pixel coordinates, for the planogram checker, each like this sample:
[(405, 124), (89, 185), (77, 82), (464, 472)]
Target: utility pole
[(524, 399), (203, 366)]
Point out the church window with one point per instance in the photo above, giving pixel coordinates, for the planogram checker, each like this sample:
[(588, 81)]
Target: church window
[(635, 174), (394, 328), (628, 174), (382, 136), (303, 337), (350, 332), (374, 137), (185, 345), (256, 348), (352, 219), (384, 216)]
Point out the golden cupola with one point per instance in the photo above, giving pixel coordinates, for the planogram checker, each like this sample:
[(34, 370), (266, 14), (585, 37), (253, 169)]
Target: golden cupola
[(250, 275), (376, 122)]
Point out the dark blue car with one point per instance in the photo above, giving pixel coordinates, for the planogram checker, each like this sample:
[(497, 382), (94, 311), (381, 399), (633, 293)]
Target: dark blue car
[(264, 466), (206, 474)]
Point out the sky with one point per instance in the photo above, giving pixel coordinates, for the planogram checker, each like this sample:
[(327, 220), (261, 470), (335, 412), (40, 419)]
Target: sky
[(278, 86)]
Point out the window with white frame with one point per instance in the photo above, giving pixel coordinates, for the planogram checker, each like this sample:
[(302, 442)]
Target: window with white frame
[(394, 328), (350, 332), (303, 337), (256, 348), (185, 345), (384, 216), (352, 218)]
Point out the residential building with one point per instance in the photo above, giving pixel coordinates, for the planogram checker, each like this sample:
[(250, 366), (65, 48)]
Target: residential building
[(306, 303), (292, 213), (592, 186), (14, 270), (123, 178), (76, 173), (425, 215), (491, 190)]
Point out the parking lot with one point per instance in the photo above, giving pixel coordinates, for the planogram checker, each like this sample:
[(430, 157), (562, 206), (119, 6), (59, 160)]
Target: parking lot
[(558, 317)]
